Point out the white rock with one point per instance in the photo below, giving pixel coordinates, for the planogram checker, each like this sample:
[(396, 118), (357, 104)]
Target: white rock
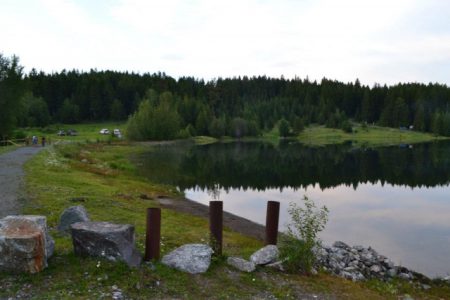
[(265, 255), (191, 258)]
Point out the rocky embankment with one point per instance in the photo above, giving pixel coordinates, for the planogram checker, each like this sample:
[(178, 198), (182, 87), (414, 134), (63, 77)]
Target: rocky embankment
[(360, 263)]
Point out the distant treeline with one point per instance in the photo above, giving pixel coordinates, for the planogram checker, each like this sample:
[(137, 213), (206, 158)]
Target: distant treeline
[(223, 106)]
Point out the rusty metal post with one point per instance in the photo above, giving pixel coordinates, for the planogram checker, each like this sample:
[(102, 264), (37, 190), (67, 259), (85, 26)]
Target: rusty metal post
[(153, 236), (215, 225), (272, 217)]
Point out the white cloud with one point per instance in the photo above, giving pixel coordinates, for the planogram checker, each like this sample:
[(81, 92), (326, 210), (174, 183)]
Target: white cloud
[(382, 41)]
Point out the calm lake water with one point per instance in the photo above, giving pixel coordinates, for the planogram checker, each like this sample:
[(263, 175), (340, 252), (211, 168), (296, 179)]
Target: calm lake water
[(395, 199)]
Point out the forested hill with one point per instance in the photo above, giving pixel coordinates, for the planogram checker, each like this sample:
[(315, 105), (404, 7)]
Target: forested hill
[(104, 95), (257, 102)]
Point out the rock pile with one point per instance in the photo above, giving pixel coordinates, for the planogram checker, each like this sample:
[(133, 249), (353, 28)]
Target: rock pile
[(359, 263)]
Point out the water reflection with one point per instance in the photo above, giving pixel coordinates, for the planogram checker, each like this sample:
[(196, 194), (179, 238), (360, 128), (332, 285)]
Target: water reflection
[(393, 199)]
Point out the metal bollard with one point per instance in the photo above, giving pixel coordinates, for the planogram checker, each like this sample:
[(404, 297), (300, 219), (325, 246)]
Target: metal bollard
[(153, 235), (216, 225), (272, 217)]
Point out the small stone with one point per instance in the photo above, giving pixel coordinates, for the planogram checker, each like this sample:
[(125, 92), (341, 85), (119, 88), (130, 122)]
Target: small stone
[(241, 264), (375, 269), (358, 248), (404, 276), (265, 255), (342, 245), (426, 287), (392, 272)]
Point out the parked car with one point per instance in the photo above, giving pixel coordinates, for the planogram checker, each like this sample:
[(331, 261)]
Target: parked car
[(104, 131), (117, 133), (72, 132), (61, 133)]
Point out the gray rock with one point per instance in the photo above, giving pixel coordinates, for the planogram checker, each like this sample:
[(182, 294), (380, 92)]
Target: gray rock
[(354, 275), (278, 265), (191, 258), (341, 245), (25, 244), (404, 276), (426, 287), (392, 272), (375, 269), (265, 255), (358, 248), (71, 215), (102, 239), (241, 264)]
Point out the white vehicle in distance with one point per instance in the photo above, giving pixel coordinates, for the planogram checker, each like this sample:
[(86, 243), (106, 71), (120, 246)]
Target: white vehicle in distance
[(117, 133), (104, 131)]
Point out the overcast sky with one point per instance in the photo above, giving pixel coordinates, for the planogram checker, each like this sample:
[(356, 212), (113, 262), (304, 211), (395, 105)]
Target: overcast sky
[(383, 41)]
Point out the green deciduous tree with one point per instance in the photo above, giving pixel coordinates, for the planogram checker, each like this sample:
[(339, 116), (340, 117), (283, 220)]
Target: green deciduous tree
[(154, 121)]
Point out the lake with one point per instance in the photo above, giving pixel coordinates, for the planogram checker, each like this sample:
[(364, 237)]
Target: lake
[(395, 199)]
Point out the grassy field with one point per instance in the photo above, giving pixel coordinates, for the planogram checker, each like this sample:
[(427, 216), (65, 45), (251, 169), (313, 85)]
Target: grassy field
[(105, 180), (369, 136), (88, 132)]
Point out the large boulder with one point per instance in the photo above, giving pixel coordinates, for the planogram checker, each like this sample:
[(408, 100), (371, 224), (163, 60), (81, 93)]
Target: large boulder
[(114, 242), (191, 258), (25, 244), (72, 215), (266, 255), (241, 264)]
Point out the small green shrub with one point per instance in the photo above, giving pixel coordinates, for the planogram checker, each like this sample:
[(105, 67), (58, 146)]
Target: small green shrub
[(297, 245)]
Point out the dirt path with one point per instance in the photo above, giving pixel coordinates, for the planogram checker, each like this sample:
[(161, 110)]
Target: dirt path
[(11, 178)]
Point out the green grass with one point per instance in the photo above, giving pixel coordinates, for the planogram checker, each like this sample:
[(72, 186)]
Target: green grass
[(204, 140), (111, 190), (5, 149), (370, 136), (86, 131)]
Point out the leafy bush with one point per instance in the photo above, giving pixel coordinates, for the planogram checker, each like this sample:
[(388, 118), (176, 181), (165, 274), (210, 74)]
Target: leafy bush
[(346, 126), (154, 121), (297, 245)]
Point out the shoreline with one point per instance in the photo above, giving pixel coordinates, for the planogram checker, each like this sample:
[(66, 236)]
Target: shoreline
[(252, 229), (236, 223)]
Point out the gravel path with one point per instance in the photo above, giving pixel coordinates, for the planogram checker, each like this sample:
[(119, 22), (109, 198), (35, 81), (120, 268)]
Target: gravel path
[(11, 175)]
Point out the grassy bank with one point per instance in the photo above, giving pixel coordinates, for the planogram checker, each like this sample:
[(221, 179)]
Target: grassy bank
[(87, 132), (5, 149), (369, 136), (101, 177)]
